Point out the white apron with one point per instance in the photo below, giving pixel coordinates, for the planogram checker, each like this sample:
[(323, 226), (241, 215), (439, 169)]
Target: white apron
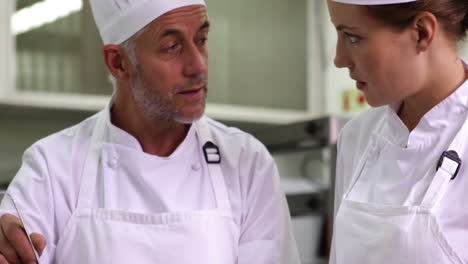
[(379, 234), (99, 235)]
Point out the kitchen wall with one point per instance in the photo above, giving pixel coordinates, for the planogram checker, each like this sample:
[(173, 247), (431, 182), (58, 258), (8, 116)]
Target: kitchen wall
[(20, 127)]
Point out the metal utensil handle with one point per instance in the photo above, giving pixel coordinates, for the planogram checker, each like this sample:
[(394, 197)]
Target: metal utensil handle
[(28, 234)]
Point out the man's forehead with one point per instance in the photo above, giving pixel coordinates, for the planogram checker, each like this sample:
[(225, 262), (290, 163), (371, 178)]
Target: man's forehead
[(187, 14), (180, 19)]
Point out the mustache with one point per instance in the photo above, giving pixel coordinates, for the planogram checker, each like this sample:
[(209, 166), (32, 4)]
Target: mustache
[(198, 81)]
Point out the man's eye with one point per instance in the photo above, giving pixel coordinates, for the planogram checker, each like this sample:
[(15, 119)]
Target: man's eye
[(203, 40), (352, 38), (172, 47)]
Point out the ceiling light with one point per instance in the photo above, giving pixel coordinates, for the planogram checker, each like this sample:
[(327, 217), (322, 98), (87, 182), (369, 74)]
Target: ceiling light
[(43, 12)]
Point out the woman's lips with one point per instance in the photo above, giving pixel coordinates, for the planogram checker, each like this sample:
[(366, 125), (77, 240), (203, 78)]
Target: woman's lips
[(361, 85)]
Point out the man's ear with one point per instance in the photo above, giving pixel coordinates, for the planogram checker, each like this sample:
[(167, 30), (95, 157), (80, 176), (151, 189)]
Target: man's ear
[(425, 27), (117, 62)]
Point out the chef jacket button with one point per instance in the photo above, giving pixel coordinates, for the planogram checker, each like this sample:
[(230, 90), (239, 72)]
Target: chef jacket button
[(374, 153), (377, 153), (195, 166), (113, 162)]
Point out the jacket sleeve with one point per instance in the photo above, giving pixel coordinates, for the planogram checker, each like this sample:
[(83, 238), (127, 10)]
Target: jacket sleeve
[(33, 195), (266, 231)]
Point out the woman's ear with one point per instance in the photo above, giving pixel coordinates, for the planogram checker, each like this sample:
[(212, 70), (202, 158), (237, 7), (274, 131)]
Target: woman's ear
[(117, 62), (426, 26)]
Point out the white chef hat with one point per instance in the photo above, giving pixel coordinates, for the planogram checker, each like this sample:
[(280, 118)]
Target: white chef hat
[(373, 2), (118, 20)]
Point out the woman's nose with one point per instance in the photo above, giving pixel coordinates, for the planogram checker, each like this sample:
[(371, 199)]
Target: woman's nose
[(342, 59)]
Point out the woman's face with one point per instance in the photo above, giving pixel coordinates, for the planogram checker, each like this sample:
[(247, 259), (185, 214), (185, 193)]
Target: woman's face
[(383, 60)]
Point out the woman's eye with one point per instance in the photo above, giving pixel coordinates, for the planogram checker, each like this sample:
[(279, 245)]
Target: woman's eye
[(352, 38)]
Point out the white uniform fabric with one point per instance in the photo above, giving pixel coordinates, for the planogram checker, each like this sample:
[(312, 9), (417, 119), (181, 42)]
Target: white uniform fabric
[(394, 182), (374, 2), (409, 229), (118, 20), (151, 189), (148, 238)]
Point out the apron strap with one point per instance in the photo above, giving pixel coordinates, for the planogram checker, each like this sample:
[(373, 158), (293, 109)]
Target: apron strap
[(443, 175), (211, 151), (90, 169), (438, 185), (446, 170), (213, 160), (363, 159)]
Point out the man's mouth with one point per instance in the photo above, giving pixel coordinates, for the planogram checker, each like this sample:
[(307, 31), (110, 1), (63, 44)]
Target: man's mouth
[(193, 93)]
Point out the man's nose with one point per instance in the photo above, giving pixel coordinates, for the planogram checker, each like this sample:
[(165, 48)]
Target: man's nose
[(196, 61)]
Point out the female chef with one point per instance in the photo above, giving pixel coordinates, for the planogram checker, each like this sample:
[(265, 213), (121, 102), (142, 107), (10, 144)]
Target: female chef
[(402, 172)]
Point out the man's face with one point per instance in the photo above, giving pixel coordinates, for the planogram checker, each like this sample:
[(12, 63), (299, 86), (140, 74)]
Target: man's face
[(170, 81)]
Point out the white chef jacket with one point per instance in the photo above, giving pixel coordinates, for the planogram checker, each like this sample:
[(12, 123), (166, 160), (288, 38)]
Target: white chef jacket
[(394, 172), (47, 185)]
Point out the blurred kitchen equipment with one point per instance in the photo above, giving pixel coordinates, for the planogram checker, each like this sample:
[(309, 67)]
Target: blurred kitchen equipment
[(306, 156)]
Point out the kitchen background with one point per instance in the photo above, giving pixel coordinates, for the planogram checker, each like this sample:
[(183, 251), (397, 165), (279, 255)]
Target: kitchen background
[(271, 74)]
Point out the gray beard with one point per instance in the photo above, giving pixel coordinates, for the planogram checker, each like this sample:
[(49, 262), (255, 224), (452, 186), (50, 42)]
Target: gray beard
[(157, 106)]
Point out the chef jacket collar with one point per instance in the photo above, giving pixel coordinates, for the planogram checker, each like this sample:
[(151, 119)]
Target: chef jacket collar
[(118, 136), (439, 117)]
